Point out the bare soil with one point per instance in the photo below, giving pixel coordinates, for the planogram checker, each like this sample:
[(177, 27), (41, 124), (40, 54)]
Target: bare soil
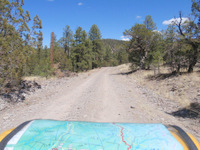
[(100, 95)]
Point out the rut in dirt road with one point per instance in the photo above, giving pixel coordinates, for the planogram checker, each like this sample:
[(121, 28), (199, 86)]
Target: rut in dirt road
[(100, 101)]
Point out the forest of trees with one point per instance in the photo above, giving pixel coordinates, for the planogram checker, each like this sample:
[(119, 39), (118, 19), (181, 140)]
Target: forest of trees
[(176, 47), (20, 45), (82, 51), (22, 52)]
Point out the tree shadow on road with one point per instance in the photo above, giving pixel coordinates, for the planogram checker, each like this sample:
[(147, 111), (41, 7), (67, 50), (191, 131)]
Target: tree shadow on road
[(125, 73), (162, 76), (192, 112)]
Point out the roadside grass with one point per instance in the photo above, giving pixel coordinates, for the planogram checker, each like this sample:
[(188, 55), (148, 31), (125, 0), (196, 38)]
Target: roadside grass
[(184, 88)]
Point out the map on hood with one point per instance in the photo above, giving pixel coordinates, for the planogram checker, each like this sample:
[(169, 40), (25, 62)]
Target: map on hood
[(70, 135)]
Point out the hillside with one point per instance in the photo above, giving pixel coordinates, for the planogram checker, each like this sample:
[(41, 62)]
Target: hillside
[(115, 45)]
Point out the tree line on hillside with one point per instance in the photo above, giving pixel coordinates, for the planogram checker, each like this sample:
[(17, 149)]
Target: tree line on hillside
[(82, 51), (177, 46), (22, 52)]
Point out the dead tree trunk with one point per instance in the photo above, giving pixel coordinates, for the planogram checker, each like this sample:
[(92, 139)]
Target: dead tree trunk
[(52, 45)]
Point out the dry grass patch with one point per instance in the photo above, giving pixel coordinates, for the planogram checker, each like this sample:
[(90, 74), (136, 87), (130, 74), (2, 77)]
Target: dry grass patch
[(184, 89)]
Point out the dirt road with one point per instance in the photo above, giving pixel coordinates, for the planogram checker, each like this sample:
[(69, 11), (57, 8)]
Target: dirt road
[(101, 95)]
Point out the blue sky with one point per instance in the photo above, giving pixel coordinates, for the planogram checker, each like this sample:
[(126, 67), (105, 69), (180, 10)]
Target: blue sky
[(111, 16)]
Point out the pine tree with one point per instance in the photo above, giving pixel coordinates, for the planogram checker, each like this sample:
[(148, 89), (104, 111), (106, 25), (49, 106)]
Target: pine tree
[(67, 40), (94, 33), (97, 53), (156, 54), (81, 54), (139, 46), (196, 10), (97, 49), (190, 33), (148, 22), (17, 41)]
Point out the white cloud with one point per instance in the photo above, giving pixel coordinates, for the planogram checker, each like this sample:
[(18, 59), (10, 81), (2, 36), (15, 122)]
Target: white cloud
[(138, 17), (125, 38), (175, 20), (80, 4), (156, 31)]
